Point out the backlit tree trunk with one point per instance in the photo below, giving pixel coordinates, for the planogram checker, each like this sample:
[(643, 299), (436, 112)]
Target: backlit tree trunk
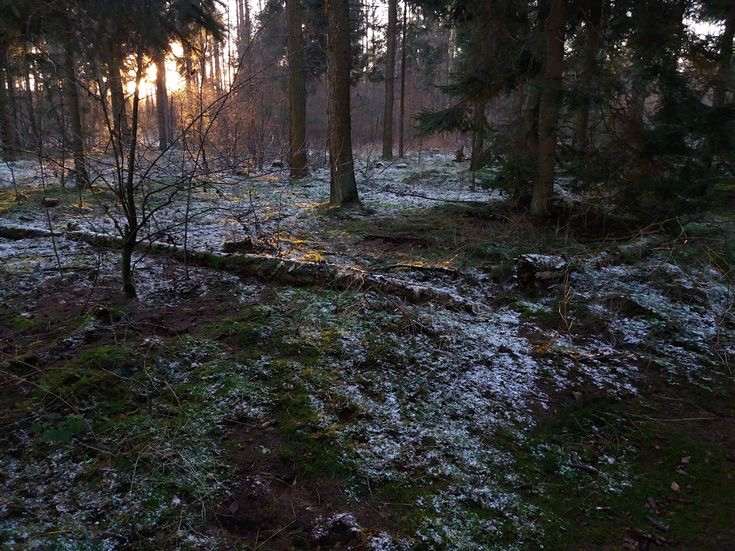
[(164, 136), (296, 92), (549, 109), (75, 117), (390, 69), (117, 96), (342, 189)]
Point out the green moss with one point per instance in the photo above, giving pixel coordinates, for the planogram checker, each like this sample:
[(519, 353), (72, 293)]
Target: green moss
[(61, 432), (637, 458), (245, 331), (96, 373)]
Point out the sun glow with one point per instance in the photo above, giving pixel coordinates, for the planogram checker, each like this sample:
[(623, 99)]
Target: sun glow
[(174, 80)]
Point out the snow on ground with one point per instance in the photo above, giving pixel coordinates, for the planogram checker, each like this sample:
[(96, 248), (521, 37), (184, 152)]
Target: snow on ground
[(265, 205), (429, 387)]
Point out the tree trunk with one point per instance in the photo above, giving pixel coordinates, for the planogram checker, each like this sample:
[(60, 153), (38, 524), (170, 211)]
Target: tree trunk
[(117, 96), (343, 189), (203, 47), (591, 48), (75, 117), (297, 158), (390, 69), (724, 65), (126, 269), (549, 109), (216, 54), (15, 112), (722, 84), (127, 194), (188, 70), (29, 98), (401, 109), (478, 135), (8, 146), (164, 136)]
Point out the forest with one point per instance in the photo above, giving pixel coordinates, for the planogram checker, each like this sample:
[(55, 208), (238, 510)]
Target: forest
[(367, 274)]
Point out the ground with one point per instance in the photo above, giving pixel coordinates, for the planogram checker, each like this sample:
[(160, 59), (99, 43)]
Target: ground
[(593, 409)]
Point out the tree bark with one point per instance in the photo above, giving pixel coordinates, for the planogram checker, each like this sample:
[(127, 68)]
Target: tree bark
[(29, 98), (75, 117), (162, 114), (216, 54), (8, 146), (549, 108), (723, 82), (478, 135), (297, 158), (127, 194), (390, 69), (343, 189), (401, 109), (591, 48), (117, 95)]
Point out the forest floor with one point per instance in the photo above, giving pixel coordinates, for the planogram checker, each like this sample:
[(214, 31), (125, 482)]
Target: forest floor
[(592, 409)]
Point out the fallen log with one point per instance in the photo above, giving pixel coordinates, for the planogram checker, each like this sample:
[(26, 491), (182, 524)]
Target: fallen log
[(268, 268)]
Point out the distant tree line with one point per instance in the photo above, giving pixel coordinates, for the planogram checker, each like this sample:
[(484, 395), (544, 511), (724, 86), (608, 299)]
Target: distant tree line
[(619, 95)]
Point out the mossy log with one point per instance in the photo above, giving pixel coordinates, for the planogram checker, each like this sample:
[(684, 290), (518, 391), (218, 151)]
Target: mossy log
[(268, 268)]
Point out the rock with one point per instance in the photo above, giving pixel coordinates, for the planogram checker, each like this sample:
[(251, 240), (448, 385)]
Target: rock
[(339, 528), (401, 165), (50, 202), (542, 269), (277, 164), (243, 246)]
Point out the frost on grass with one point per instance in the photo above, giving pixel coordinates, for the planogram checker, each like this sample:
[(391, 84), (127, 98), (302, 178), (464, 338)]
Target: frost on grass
[(422, 410), (266, 208), (151, 472)]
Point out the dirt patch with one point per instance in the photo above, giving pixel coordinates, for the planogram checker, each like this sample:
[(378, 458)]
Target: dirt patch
[(274, 506)]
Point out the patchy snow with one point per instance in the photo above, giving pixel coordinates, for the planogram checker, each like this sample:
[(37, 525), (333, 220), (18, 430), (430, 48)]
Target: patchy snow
[(415, 394)]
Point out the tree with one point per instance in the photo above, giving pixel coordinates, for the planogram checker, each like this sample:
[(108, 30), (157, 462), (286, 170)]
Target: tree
[(8, 145), (592, 14), (297, 158), (390, 69), (342, 188), (162, 114), (402, 107), (549, 108), (71, 94)]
